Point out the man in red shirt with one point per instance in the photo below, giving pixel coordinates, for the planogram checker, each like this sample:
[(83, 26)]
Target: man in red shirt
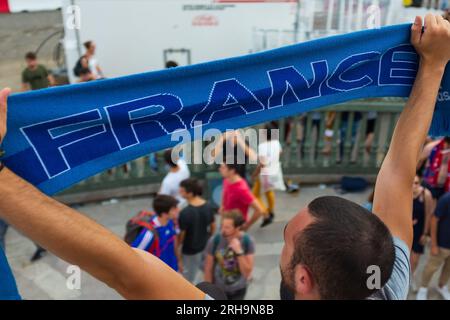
[(237, 195)]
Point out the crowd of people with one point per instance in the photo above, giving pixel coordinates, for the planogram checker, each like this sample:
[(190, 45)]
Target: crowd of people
[(431, 216), (181, 228), (329, 245)]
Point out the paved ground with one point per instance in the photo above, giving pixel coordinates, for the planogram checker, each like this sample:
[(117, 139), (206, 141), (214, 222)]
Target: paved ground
[(47, 278)]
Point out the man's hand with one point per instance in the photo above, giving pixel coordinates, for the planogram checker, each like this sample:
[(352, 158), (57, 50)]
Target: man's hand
[(235, 245), (433, 45), (423, 240), (3, 108)]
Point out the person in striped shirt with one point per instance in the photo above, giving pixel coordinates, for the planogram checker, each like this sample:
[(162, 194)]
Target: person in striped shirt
[(161, 240)]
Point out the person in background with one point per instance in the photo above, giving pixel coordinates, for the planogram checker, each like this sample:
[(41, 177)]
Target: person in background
[(435, 176), (86, 75), (196, 223), (268, 175), (171, 64), (370, 130), (232, 146), (423, 207), (90, 62), (161, 241), (440, 250), (230, 257), (237, 194), (428, 146), (35, 76), (178, 171)]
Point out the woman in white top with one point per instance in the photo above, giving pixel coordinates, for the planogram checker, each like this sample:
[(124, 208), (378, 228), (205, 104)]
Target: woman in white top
[(268, 175), (89, 61)]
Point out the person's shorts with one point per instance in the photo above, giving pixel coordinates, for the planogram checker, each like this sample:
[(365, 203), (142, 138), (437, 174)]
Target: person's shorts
[(436, 192)]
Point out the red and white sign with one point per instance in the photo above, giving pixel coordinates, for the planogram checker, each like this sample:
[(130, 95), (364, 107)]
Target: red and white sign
[(7, 6), (205, 20), (4, 6)]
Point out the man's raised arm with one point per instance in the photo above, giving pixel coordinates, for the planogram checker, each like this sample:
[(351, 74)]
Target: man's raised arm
[(393, 190), (83, 242)]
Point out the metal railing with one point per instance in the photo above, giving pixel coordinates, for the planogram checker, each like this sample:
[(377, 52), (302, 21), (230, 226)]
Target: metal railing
[(307, 149)]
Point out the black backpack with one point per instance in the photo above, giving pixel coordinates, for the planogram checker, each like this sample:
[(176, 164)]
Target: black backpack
[(78, 67)]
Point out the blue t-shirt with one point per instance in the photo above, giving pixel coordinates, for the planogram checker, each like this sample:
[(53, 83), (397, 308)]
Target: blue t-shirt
[(166, 236), (397, 286), (8, 287), (443, 213)]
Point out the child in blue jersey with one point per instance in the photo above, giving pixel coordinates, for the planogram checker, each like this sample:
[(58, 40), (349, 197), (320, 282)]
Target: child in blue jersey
[(161, 239)]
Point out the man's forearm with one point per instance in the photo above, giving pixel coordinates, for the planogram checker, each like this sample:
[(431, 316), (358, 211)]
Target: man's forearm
[(79, 240), (416, 118), (257, 213), (245, 266)]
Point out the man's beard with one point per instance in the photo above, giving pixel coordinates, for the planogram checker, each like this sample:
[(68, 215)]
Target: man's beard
[(286, 286)]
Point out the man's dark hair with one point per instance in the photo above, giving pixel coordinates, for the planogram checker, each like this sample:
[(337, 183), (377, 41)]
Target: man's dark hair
[(232, 163), (168, 158), (233, 166), (447, 140), (163, 203), (339, 246), (193, 186), (171, 64), (236, 216), (31, 56), (87, 44), (270, 128)]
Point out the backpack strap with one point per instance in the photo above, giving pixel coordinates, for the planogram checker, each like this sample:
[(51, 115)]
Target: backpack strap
[(154, 248), (246, 242), (216, 242)]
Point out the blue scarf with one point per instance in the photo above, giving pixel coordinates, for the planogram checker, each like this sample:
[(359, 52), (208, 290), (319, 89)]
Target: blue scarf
[(62, 135)]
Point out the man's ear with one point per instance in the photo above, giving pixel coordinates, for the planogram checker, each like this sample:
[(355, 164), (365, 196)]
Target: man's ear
[(304, 282)]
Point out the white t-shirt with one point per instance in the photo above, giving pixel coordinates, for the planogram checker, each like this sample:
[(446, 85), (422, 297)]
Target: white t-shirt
[(171, 182), (271, 176), (93, 67)]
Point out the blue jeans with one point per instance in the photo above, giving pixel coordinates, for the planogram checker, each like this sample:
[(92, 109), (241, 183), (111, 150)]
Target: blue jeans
[(3, 228)]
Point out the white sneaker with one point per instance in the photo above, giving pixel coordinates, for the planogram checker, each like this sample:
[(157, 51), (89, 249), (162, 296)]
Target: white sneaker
[(422, 294), (444, 292)]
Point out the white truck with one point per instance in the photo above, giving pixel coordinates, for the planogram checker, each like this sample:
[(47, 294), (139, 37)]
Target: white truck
[(134, 36)]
